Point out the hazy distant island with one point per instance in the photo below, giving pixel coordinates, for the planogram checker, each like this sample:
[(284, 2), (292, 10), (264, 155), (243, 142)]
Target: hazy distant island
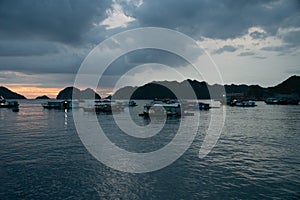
[(8, 94), (70, 92), (152, 90), (43, 97)]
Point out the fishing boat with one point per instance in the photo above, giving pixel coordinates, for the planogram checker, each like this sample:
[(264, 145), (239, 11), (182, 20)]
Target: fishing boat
[(243, 103), (281, 101), (168, 107), (104, 105), (132, 103), (162, 108), (66, 104), (271, 100), (8, 104), (16, 109), (192, 105), (203, 106)]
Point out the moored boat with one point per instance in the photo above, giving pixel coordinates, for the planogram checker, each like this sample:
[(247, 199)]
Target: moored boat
[(169, 108), (203, 106), (271, 101), (243, 103), (8, 104), (66, 104), (192, 105), (132, 103), (281, 101), (104, 105), (162, 108)]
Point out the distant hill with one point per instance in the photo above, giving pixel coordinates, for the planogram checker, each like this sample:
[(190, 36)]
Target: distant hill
[(164, 89), (289, 86), (8, 94), (69, 92), (201, 90), (42, 97)]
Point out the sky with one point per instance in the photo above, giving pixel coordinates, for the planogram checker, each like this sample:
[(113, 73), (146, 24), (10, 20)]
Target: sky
[(44, 42)]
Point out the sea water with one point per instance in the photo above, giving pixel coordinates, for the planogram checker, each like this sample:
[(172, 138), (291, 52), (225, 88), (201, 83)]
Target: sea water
[(257, 156)]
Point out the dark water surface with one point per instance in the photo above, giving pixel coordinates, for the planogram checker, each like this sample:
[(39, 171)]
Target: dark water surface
[(257, 156)]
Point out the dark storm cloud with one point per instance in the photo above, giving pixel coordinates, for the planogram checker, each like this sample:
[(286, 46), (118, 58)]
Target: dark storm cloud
[(282, 48), (55, 20), (226, 48), (218, 19), (54, 36), (65, 62), (246, 54), (135, 58), (258, 35), (27, 48), (49, 36), (292, 37)]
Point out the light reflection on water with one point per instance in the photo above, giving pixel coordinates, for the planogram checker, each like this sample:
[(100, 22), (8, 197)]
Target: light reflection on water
[(257, 156)]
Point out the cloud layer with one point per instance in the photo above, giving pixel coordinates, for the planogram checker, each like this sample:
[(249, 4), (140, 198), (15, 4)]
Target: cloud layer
[(54, 36)]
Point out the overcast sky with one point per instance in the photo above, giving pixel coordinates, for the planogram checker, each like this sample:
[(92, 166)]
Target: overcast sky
[(43, 42)]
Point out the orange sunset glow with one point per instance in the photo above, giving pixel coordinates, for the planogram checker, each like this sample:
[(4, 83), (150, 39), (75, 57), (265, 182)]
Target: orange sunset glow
[(32, 91)]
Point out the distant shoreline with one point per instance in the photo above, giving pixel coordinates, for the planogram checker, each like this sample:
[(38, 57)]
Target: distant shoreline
[(154, 90)]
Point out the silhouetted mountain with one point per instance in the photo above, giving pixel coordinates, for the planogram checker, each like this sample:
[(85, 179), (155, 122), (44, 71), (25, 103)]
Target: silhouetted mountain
[(70, 92), (291, 85), (252, 91), (67, 93), (42, 97), (89, 94), (201, 90), (8, 94), (108, 97)]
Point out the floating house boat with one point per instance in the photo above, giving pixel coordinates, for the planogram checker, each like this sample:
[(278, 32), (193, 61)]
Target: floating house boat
[(104, 105), (195, 105), (203, 106), (132, 103), (170, 108), (243, 103), (66, 104), (8, 104), (281, 101)]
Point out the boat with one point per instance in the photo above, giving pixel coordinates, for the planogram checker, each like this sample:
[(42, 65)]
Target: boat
[(66, 104), (132, 103), (169, 108), (16, 109), (195, 105), (243, 103), (281, 101), (104, 105), (203, 106), (8, 104), (271, 100)]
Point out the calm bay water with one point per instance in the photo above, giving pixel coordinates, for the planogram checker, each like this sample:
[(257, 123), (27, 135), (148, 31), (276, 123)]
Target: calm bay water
[(257, 156)]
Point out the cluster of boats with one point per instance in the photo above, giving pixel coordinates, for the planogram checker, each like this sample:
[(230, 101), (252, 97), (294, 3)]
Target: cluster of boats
[(162, 107), (271, 101), (157, 107), (168, 107), (66, 104), (104, 105)]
